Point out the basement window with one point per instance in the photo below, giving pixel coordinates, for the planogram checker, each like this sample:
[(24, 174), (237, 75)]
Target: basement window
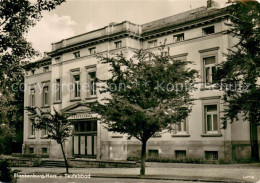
[(180, 154), (44, 150), (153, 153), (31, 150), (211, 155)]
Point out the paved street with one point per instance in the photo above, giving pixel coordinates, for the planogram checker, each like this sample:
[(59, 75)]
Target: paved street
[(94, 180), (166, 171)]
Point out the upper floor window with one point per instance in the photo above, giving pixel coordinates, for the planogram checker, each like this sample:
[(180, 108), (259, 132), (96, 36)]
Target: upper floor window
[(76, 54), (152, 44), (45, 96), (211, 118), (32, 97), (178, 37), (58, 90), (209, 64), (57, 59), (92, 82), (208, 30), (92, 50), (46, 69), (76, 85), (118, 44)]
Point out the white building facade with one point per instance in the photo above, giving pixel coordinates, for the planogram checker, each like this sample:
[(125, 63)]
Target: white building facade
[(196, 35)]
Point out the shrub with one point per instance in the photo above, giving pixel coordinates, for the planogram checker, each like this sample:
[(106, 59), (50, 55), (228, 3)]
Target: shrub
[(6, 174), (30, 155)]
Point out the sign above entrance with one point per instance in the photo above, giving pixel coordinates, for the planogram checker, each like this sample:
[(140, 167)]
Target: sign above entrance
[(81, 116)]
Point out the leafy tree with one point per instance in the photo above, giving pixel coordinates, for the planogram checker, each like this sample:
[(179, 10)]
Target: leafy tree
[(57, 126), (16, 17), (239, 75), (147, 94)]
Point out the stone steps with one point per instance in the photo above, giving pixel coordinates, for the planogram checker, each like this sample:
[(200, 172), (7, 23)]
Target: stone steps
[(52, 163)]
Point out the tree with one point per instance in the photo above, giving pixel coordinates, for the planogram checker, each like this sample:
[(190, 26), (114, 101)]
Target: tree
[(147, 94), (239, 75), (57, 126), (16, 17), (6, 174)]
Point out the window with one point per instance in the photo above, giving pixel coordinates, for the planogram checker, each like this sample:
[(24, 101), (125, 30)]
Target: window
[(58, 90), (46, 69), (211, 155), (32, 97), (92, 50), (45, 95), (85, 126), (31, 128), (76, 54), (208, 30), (31, 150), (153, 153), (57, 59), (152, 44), (76, 86), (44, 150), (209, 64), (211, 118), (92, 82), (178, 37), (118, 44), (181, 127), (44, 132), (180, 154)]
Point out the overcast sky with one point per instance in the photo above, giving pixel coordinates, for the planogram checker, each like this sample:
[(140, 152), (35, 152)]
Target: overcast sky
[(79, 16)]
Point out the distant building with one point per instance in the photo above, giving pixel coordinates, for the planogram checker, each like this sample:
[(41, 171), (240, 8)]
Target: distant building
[(195, 35)]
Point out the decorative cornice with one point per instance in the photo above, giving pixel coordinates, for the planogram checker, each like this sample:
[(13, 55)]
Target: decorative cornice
[(208, 49)]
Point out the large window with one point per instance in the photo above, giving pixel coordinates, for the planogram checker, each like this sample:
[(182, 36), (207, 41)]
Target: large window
[(45, 96), (209, 64), (211, 117), (58, 90), (92, 78), (76, 86), (31, 128), (32, 97)]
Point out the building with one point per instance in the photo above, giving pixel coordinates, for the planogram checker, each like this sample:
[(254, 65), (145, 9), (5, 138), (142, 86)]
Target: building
[(196, 35)]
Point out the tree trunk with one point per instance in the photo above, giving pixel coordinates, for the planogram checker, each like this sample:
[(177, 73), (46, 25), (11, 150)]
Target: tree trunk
[(65, 159), (254, 139), (143, 157)]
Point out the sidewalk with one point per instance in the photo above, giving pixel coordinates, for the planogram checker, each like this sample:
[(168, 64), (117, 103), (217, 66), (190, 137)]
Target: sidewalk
[(166, 171)]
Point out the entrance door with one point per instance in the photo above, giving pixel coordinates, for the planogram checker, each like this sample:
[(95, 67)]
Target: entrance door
[(85, 139)]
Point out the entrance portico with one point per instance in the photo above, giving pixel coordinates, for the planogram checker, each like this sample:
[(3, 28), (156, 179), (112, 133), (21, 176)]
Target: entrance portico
[(85, 136)]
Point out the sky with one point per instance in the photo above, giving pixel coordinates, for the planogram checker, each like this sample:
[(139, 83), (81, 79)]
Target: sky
[(79, 16)]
